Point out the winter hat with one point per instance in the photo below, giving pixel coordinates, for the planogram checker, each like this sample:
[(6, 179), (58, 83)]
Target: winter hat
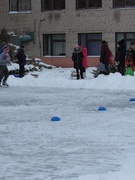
[(104, 42), (121, 42), (3, 44), (132, 42), (22, 46), (4, 47), (76, 46)]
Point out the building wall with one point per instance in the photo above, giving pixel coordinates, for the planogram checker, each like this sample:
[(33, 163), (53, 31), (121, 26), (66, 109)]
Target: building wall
[(106, 20)]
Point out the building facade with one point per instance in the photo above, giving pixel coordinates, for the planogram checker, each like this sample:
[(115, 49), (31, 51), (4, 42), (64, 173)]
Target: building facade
[(49, 29)]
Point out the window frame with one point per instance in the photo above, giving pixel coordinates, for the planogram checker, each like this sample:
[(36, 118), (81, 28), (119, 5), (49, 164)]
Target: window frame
[(18, 2), (123, 4), (124, 37), (51, 5), (87, 5), (50, 42), (87, 40)]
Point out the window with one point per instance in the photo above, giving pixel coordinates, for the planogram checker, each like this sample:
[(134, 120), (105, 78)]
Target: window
[(92, 41), (88, 4), (50, 5), (123, 3), (128, 37), (54, 45), (19, 5)]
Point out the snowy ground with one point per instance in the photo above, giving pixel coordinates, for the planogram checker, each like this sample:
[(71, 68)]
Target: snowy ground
[(86, 144)]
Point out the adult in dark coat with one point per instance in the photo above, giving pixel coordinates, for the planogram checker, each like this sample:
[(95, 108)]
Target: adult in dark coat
[(120, 56), (77, 57), (105, 55), (21, 61)]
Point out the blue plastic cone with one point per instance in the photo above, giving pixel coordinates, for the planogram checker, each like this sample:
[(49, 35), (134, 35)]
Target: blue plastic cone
[(132, 99), (55, 118), (16, 75), (101, 109)]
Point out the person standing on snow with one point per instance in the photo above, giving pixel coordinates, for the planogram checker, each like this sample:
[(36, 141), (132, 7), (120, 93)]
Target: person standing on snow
[(130, 56), (21, 60), (84, 62), (77, 57), (4, 60), (105, 56), (120, 56)]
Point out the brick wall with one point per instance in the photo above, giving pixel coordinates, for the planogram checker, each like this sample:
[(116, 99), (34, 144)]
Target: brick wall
[(69, 21)]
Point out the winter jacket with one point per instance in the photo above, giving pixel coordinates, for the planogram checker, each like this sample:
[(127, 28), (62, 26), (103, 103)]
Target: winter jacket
[(4, 59), (131, 53), (120, 55), (1, 50), (77, 58), (21, 57), (130, 58), (84, 62), (111, 57), (105, 54)]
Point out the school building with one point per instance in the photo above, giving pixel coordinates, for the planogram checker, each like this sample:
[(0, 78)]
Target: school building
[(49, 29)]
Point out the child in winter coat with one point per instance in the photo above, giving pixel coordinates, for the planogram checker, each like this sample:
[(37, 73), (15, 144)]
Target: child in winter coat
[(130, 56), (77, 57), (84, 62), (4, 60)]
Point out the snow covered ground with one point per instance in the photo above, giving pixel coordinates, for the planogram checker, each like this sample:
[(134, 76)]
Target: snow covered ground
[(86, 144)]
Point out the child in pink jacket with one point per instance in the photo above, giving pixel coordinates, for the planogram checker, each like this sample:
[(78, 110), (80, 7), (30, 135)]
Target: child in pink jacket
[(84, 62)]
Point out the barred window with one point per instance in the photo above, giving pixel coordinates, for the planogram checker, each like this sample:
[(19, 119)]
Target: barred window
[(19, 5)]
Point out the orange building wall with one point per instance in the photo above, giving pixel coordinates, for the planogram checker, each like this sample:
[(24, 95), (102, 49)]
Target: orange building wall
[(66, 62)]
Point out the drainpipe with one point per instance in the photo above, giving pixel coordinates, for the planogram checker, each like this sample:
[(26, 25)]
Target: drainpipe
[(40, 22)]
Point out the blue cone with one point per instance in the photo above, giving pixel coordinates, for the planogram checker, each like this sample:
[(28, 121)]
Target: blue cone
[(55, 118), (101, 109), (16, 75), (132, 99)]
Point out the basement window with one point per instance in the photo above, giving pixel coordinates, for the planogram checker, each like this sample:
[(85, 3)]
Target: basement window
[(19, 5), (123, 3)]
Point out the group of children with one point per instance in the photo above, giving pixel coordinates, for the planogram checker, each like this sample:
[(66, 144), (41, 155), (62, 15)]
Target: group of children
[(123, 62)]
